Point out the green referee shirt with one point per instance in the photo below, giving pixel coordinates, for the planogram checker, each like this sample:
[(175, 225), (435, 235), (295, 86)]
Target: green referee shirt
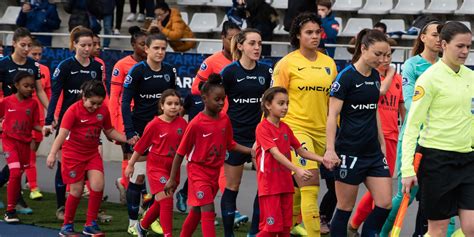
[(441, 109)]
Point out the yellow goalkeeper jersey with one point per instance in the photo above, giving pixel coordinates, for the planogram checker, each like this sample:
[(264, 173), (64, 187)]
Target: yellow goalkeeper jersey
[(308, 84)]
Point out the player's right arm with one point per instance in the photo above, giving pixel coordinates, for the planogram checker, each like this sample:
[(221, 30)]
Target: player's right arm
[(129, 91)]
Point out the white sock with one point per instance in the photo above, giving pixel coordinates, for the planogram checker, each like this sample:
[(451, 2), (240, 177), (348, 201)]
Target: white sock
[(132, 222)]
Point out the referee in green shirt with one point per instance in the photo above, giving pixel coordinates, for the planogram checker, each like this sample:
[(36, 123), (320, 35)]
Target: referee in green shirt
[(440, 120)]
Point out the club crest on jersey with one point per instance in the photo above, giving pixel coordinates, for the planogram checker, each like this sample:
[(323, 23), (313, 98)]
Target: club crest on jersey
[(270, 220), (28, 112), (285, 136), (93, 74), (100, 117), (419, 92), (56, 72), (328, 70), (72, 174), (335, 87), (167, 78), (30, 71), (163, 180), (261, 80), (116, 72), (203, 67), (200, 195), (180, 131), (343, 173), (302, 161)]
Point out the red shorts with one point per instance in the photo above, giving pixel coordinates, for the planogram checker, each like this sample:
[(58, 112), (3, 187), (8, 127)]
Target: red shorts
[(202, 184), (17, 153), (391, 154), (158, 172), (276, 212), (74, 170)]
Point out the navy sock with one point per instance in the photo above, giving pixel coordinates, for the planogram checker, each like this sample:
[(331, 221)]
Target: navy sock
[(4, 175), (133, 200), (374, 222), (184, 190), (255, 216), (228, 206), (339, 223), (60, 187)]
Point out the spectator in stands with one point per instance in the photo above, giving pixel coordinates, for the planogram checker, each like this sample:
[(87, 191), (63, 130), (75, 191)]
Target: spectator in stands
[(330, 25), (80, 16), (263, 17), (108, 19), (237, 12), (168, 21), (39, 16), (133, 11), (380, 26), (119, 4)]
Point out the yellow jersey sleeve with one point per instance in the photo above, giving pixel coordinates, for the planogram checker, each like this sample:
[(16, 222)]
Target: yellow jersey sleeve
[(281, 76)]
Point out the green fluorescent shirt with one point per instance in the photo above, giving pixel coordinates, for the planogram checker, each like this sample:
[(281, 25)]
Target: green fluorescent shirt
[(441, 109)]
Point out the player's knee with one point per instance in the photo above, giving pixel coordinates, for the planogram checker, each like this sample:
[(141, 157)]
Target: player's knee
[(15, 173), (467, 228), (234, 186), (385, 203), (97, 185)]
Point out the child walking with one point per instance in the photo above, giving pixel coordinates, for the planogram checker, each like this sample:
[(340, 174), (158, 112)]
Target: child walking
[(20, 113), (212, 130), (81, 127), (162, 136)]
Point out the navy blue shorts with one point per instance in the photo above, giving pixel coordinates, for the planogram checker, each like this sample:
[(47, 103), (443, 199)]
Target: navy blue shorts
[(354, 169), (236, 158), (139, 128)]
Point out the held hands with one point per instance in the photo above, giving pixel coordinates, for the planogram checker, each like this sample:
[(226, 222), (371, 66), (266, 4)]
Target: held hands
[(330, 159), (170, 187), (408, 183), (303, 174), (47, 130), (51, 160), (133, 140), (129, 170)]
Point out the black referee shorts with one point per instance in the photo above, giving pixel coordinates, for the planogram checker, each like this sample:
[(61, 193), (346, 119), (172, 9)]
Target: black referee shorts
[(446, 182)]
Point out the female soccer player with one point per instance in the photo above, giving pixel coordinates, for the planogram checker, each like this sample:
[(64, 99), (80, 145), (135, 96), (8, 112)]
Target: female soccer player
[(9, 67), (67, 79), (245, 81), (162, 136), (390, 107), (360, 143), (274, 140), (81, 127), (307, 75), (120, 71), (442, 104), (20, 116), (212, 130), (36, 54), (144, 84)]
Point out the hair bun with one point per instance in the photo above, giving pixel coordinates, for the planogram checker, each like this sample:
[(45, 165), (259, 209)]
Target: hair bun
[(133, 30), (214, 79)]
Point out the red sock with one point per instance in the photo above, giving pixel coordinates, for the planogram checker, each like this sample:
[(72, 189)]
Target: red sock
[(207, 224), (31, 171), (222, 181), (95, 198), (151, 214), (70, 208), (166, 216), (363, 210), (190, 224), (13, 188), (266, 234), (124, 180)]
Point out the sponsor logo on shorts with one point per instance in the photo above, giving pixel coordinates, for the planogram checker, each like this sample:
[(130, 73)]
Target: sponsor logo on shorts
[(72, 174), (163, 180), (343, 173), (270, 220), (200, 195), (100, 117), (419, 93), (302, 161)]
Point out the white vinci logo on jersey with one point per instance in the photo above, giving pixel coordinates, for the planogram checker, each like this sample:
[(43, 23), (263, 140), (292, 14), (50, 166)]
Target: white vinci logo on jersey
[(364, 106), (150, 96), (75, 91), (247, 100)]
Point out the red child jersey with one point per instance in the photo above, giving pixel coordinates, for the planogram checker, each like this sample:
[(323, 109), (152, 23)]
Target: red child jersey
[(46, 84), (163, 137), (84, 130), (19, 117), (273, 177), (119, 73), (389, 108), (206, 141)]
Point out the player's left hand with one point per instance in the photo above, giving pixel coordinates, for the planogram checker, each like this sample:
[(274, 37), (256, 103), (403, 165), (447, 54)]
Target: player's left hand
[(170, 187), (129, 170), (50, 161)]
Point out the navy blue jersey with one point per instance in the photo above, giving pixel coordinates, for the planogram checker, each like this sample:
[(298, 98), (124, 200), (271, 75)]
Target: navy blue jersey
[(144, 86), (67, 79), (244, 90), (358, 134), (8, 70)]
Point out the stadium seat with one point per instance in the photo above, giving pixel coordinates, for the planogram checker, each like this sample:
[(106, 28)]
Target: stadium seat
[(220, 3), (341, 53), (279, 30), (347, 5), (376, 7), (467, 8), (10, 15), (279, 50), (185, 17), (203, 22), (339, 20), (466, 23), (219, 27), (441, 7), (209, 47), (193, 2), (410, 7), (398, 56), (280, 4), (354, 25), (394, 24), (470, 59)]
